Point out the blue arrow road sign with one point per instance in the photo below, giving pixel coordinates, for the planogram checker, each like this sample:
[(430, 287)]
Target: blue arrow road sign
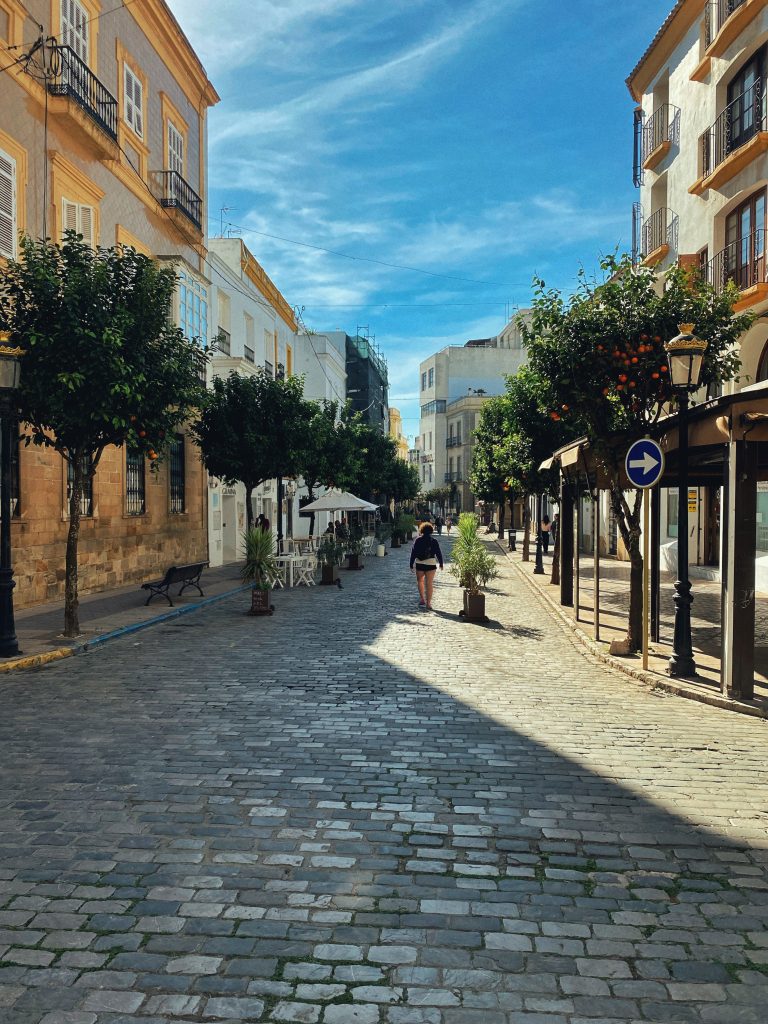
[(644, 463)]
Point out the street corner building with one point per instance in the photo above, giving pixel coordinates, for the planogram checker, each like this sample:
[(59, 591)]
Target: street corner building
[(103, 131)]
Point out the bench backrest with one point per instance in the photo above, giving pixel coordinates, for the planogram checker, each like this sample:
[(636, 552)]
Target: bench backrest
[(179, 573)]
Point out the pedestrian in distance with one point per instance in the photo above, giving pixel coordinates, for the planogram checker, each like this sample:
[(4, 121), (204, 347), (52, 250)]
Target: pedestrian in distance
[(448, 525), (546, 527), (555, 527), (425, 558), (439, 524)]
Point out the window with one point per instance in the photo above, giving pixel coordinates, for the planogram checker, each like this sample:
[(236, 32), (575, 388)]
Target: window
[(193, 307), (432, 407), (430, 440), (745, 242), (176, 473), (672, 513), (86, 501), (135, 504), (8, 220), (280, 373), (250, 355), (269, 368), (458, 467), (79, 218), (249, 336), (746, 102), (431, 378), (134, 101), (175, 149), (424, 381), (74, 27)]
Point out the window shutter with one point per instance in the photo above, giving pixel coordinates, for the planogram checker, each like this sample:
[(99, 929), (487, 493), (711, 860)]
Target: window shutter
[(134, 113), (85, 224), (74, 27), (175, 149), (69, 217), (7, 206)]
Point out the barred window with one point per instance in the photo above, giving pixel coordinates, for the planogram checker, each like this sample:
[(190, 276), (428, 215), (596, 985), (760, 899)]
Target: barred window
[(177, 474), (86, 500), (250, 355), (135, 503)]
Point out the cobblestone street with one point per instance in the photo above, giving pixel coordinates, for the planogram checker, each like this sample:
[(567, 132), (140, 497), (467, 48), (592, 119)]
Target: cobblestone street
[(355, 812)]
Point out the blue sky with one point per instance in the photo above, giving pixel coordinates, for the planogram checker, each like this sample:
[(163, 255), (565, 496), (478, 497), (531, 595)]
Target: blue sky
[(482, 140)]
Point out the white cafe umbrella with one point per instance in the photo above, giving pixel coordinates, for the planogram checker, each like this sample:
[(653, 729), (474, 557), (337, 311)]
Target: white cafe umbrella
[(339, 501)]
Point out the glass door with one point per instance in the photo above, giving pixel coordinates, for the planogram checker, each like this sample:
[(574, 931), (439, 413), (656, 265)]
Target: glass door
[(745, 242)]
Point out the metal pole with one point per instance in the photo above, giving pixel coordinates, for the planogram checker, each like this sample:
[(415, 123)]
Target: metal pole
[(596, 532), (539, 567), (279, 515), (576, 553), (9, 645), (681, 663), (646, 575)]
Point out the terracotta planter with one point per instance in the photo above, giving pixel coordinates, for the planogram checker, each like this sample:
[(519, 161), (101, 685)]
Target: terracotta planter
[(474, 607), (329, 575), (260, 602)]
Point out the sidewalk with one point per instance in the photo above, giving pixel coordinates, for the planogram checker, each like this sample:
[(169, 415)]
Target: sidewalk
[(614, 607), (39, 629)]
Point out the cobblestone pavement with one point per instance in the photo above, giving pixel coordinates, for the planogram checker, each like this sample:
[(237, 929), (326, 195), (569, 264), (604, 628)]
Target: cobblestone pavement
[(355, 812)]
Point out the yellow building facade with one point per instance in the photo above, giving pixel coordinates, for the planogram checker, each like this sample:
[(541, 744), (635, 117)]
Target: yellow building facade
[(396, 433), (103, 115)]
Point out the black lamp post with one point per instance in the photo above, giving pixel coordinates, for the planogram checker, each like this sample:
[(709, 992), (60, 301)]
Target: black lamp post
[(538, 568), (10, 375), (686, 354)]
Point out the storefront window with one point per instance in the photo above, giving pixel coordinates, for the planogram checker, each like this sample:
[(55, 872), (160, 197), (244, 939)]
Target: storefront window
[(672, 513)]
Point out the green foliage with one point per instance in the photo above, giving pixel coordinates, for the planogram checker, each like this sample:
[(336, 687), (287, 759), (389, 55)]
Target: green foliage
[(383, 532), (471, 563), (381, 472), (253, 429), (103, 363), (405, 524), (259, 566), (330, 551), (436, 496), (333, 453)]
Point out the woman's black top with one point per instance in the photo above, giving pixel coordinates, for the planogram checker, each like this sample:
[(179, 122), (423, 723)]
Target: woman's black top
[(426, 547)]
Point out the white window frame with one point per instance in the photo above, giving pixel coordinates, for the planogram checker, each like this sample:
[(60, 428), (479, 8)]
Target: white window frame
[(79, 217), (176, 145), (74, 28), (133, 100), (9, 203), (193, 301)]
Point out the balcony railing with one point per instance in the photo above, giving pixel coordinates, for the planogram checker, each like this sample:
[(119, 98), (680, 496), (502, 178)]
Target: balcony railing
[(741, 120), (716, 13), (179, 194), (660, 229), (742, 262), (433, 407), (663, 126), (453, 442), (76, 80), (453, 478)]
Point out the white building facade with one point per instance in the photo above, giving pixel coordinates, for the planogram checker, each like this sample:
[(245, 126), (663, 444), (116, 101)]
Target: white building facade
[(251, 327), (457, 372)]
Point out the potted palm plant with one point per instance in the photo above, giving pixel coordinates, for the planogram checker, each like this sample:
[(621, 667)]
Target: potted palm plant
[(383, 533), (353, 548), (259, 568), (473, 567), (329, 554)]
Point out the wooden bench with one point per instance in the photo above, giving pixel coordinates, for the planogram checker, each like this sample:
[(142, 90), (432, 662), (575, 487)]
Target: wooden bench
[(187, 575)]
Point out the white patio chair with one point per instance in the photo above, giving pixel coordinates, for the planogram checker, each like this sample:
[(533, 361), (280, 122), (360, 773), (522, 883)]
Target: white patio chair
[(305, 570)]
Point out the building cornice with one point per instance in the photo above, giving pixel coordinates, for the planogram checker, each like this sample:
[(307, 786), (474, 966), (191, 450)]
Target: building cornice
[(256, 274), (672, 32)]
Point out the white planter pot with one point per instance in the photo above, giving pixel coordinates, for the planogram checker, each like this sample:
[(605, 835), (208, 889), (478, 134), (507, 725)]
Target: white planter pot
[(380, 551)]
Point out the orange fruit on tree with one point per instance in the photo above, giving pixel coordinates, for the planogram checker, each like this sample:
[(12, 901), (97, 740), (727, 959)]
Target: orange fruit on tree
[(623, 378)]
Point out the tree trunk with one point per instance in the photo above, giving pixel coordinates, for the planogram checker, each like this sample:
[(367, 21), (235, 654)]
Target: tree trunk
[(628, 522), (526, 530), (71, 604), (555, 577), (248, 505), (502, 513), (311, 496)]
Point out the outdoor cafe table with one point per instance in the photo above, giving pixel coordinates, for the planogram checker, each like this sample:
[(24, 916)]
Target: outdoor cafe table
[(289, 561)]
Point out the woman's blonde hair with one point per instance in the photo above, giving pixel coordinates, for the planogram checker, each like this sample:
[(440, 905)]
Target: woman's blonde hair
[(425, 528)]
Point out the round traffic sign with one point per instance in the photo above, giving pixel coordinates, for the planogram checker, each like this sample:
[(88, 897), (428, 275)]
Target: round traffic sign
[(644, 463)]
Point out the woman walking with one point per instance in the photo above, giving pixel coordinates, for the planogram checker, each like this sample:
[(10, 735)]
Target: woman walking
[(425, 558)]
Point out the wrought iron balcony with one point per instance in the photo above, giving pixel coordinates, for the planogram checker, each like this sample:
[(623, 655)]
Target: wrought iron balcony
[(742, 262), (452, 442), (716, 13), (741, 120), (76, 80), (178, 194), (661, 129), (660, 229), (453, 478)]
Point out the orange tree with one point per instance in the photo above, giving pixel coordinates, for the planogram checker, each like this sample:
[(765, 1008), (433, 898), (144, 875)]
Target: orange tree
[(601, 355)]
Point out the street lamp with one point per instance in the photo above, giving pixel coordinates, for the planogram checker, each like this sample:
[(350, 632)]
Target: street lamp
[(10, 376), (686, 355)]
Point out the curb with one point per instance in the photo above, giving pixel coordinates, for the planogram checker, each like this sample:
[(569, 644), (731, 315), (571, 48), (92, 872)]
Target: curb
[(653, 681), (38, 660)]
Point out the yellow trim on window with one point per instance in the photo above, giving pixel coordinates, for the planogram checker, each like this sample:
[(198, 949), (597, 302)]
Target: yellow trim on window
[(288, 361), (125, 132), (170, 112), (16, 15), (69, 182), (19, 154), (124, 237)]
